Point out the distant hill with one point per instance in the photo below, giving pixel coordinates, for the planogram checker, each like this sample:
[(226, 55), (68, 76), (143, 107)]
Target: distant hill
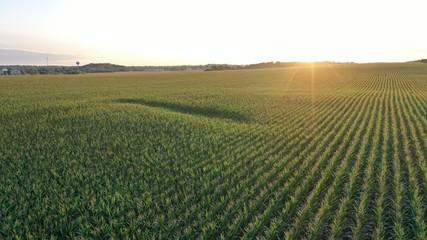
[(102, 67), (23, 57), (423, 60)]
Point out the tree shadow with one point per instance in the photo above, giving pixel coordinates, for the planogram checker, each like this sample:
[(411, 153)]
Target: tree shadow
[(204, 111)]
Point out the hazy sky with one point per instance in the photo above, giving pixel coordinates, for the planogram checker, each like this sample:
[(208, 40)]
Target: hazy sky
[(169, 32)]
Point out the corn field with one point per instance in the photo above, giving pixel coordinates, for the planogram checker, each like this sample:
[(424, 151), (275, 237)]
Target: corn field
[(335, 151)]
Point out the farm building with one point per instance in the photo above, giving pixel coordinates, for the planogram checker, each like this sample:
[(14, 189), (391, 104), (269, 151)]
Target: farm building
[(6, 71), (14, 72)]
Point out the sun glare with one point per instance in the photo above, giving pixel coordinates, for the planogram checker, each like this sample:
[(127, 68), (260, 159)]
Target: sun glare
[(239, 32)]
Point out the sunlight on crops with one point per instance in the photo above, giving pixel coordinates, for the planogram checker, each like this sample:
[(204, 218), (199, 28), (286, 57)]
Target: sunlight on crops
[(315, 151)]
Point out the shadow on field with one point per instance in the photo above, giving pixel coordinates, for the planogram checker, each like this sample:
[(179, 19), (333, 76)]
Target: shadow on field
[(204, 111)]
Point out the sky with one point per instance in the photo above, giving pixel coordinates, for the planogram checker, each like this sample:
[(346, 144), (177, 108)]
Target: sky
[(170, 32)]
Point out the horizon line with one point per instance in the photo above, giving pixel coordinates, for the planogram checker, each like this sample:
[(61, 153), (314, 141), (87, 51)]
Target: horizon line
[(231, 64)]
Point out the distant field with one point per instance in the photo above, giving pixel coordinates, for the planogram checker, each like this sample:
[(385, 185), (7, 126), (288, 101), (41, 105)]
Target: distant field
[(334, 151)]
